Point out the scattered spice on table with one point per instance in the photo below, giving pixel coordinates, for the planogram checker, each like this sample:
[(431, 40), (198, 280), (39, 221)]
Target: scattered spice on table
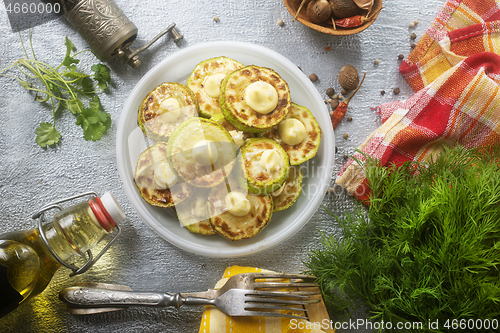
[(382, 92), (348, 78), (376, 61), (281, 23), (341, 109), (330, 92), (349, 118), (397, 91), (345, 136), (413, 36), (401, 57), (334, 103), (313, 77), (216, 19)]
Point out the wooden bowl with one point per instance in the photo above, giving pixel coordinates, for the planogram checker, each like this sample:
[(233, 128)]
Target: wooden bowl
[(327, 26)]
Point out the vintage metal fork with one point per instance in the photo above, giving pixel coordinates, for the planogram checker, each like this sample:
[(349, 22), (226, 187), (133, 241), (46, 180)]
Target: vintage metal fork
[(85, 299)]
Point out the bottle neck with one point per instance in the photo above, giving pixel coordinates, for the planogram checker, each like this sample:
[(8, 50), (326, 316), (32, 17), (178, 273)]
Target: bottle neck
[(77, 229)]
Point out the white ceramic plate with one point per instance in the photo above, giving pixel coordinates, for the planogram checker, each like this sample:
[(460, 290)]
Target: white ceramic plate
[(317, 174)]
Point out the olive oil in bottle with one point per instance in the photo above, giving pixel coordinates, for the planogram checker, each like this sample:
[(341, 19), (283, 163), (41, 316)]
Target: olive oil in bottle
[(29, 259)]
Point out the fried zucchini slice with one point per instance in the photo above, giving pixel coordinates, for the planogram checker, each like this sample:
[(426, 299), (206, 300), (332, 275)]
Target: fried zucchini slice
[(307, 149), (205, 81), (184, 153), (152, 160), (192, 214), (239, 137), (289, 192), (165, 108), (239, 227), (234, 101), (265, 165)]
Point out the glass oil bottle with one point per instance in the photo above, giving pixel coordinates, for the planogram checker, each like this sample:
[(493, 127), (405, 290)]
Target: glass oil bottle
[(29, 259)]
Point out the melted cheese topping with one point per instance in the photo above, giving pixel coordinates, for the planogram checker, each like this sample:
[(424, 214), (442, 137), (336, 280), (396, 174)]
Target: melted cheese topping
[(205, 152), (237, 137), (170, 110), (211, 84), (271, 160), (292, 131), (237, 204), (198, 208), (163, 176), (261, 97)]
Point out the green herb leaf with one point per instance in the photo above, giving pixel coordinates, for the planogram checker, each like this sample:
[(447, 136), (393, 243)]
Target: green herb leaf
[(46, 135), (94, 121), (101, 75), (87, 86), (104, 117), (68, 59), (75, 106)]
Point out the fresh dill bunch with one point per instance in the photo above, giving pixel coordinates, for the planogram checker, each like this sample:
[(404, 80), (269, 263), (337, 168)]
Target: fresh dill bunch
[(428, 248)]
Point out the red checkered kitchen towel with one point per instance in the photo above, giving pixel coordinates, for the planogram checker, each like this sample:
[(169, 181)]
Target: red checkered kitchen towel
[(455, 71)]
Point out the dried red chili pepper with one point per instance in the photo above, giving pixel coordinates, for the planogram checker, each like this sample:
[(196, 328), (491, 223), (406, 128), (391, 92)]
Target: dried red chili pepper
[(354, 21), (340, 110), (351, 22)]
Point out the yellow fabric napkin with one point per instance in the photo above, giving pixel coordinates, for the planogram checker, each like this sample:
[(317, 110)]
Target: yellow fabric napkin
[(215, 321)]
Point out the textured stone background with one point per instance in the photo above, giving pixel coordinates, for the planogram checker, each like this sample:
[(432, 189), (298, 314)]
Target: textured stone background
[(32, 176)]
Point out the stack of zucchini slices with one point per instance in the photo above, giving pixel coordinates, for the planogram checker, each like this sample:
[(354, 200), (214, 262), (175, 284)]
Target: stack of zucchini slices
[(228, 148)]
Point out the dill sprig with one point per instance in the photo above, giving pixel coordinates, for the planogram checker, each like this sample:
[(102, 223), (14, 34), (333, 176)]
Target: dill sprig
[(427, 250)]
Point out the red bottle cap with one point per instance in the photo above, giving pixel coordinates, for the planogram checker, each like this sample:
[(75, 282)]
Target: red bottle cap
[(101, 217), (110, 219)]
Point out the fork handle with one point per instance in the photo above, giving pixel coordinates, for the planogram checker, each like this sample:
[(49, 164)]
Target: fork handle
[(91, 297)]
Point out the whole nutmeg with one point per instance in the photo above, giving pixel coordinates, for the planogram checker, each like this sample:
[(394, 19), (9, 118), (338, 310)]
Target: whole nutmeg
[(318, 11), (344, 8), (349, 77)]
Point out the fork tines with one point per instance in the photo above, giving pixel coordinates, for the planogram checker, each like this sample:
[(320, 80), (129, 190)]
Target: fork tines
[(296, 281), (268, 303)]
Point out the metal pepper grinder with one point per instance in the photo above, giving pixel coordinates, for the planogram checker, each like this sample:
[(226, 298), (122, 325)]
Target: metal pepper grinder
[(107, 30)]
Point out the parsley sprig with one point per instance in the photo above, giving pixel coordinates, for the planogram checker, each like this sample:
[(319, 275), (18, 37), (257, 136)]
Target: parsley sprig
[(427, 249), (64, 87)]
